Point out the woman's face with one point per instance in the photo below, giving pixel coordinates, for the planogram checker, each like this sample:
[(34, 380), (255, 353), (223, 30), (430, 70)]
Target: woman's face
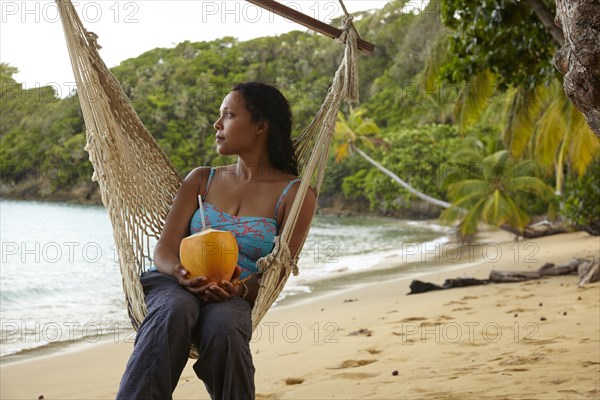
[(236, 132)]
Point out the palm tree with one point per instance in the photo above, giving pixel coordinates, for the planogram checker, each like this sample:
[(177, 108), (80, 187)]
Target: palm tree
[(486, 190), (547, 127), (541, 124), (355, 129)]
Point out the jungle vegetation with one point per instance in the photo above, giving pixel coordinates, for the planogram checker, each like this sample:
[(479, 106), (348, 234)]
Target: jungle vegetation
[(470, 78)]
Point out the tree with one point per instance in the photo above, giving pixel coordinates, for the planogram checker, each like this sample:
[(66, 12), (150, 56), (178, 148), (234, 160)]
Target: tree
[(549, 129), (504, 37), (513, 43), (487, 189), (541, 124), (353, 129)]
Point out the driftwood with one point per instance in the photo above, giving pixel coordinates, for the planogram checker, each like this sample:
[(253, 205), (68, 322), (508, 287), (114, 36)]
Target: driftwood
[(417, 286), (587, 269), (537, 230), (513, 276)]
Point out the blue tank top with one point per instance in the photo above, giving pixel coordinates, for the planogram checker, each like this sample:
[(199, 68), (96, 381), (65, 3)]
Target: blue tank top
[(255, 235)]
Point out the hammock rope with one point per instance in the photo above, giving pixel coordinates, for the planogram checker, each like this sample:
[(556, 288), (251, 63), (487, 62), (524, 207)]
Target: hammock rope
[(138, 182)]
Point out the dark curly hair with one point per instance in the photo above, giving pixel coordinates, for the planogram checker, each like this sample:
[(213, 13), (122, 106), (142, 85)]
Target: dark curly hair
[(265, 102)]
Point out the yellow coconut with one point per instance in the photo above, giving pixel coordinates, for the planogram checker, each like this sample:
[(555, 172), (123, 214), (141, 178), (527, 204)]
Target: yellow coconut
[(211, 253)]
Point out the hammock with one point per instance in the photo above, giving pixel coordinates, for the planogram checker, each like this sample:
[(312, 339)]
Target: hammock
[(138, 182)]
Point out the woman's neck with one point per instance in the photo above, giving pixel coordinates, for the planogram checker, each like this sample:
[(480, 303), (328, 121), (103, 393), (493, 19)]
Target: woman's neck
[(253, 170)]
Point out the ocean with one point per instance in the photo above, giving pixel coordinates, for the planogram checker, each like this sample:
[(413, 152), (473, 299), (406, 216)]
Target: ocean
[(60, 281)]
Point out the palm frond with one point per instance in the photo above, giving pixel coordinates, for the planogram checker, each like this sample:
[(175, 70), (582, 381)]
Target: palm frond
[(465, 192), (342, 152), (493, 210), (528, 184), (343, 132), (584, 146), (520, 114), (451, 214), (438, 57), (474, 97), (518, 218), (493, 165), (466, 156), (520, 169), (468, 226), (368, 128), (367, 142), (552, 126)]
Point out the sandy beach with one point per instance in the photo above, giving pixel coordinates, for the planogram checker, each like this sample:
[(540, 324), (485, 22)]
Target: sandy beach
[(531, 340)]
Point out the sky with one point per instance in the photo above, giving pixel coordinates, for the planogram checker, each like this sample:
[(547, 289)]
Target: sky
[(32, 39)]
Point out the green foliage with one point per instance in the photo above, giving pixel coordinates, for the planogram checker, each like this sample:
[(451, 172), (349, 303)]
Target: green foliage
[(545, 125), (177, 93), (505, 37), (355, 186), (416, 155), (41, 136), (501, 55), (582, 205), (337, 172), (354, 130), (397, 97)]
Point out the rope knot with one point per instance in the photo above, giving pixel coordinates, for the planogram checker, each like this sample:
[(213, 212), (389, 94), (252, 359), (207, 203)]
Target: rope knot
[(92, 39)]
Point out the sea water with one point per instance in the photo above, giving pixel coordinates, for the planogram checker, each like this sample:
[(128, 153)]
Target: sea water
[(60, 281)]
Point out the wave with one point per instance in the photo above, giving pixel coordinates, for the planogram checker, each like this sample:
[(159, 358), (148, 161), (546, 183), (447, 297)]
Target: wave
[(17, 296)]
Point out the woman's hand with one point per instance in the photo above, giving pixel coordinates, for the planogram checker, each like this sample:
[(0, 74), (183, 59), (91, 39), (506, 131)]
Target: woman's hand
[(197, 285), (211, 291), (225, 290)]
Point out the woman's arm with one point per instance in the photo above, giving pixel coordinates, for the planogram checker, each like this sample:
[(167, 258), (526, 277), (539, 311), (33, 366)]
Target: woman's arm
[(305, 216), (177, 225)]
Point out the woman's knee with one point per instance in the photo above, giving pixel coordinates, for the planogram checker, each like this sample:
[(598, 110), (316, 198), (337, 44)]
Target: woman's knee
[(221, 321), (170, 300)]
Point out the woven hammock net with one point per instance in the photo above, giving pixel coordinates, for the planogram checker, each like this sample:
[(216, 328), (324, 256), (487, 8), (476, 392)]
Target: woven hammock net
[(138, 182)]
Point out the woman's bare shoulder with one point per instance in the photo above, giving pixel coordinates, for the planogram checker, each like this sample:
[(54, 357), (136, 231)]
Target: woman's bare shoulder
[(285, 178), (197, 178), (198, 174)]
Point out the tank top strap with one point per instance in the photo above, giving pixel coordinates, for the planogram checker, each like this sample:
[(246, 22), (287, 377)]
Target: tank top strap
[(210, 179), (280, 200)]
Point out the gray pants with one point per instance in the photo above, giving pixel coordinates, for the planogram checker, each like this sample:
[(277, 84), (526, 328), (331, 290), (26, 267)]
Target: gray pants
[(176, 318)]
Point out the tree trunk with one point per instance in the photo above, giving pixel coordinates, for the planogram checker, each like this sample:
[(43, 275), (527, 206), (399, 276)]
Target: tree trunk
[(579, 58), (402, 183)]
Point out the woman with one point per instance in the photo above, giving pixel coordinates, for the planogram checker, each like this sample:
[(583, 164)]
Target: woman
[(252, 198)]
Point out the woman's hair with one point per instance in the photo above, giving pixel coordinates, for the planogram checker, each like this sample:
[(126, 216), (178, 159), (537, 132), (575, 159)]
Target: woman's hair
[(265, 102)]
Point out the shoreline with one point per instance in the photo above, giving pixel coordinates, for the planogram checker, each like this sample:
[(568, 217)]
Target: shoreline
[(415, 335), (412, 266), (320, 286), (85, 196)]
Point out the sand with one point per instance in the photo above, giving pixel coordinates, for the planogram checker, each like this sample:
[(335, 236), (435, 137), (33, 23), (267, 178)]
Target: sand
[(531, 340)]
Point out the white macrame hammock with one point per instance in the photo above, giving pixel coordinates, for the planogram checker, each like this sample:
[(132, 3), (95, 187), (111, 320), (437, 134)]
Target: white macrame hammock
[(138, 182)]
